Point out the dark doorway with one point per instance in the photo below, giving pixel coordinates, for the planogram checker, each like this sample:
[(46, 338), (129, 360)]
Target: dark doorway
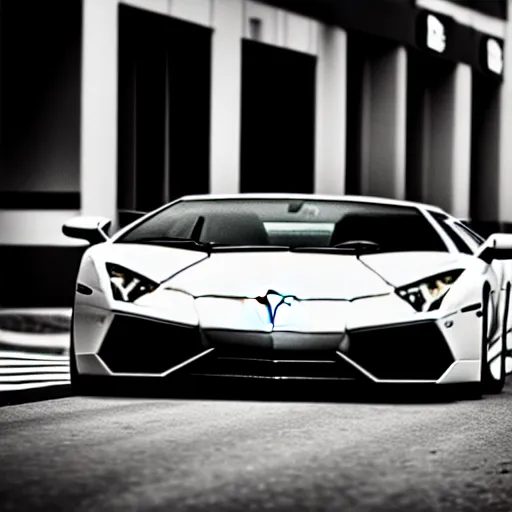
[(40, 69), (485, 119), (40, 91), (429, 120), (417, 75), (164, 109), (278, 119), (357, 53)]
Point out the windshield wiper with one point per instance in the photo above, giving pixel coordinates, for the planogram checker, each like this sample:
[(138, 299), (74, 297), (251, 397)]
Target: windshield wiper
[(359, 245), (350, 247), (187, 243), (249, 248), (168, 241)]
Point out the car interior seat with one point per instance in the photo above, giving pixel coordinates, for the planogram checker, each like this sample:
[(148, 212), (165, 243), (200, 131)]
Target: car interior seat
[(240, 228)]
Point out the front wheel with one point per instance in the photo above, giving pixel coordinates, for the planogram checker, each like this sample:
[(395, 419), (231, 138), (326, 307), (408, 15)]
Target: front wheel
[(493, 370)]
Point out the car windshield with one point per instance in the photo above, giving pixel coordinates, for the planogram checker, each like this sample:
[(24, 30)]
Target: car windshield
[(289, 223)]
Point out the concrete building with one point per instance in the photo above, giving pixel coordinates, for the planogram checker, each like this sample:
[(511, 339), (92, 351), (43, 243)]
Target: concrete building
[(112, 107)]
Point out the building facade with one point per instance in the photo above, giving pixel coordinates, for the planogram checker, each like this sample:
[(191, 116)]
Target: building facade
[(113, 107)]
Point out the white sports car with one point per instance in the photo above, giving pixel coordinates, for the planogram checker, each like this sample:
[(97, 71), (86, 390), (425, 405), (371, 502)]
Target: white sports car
[(295, 287)]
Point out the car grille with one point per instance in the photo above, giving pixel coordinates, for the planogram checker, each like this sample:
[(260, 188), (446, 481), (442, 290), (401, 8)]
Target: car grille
[(272, 364)]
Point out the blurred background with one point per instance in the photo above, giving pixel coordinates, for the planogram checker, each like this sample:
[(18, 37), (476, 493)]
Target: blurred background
[(113, 107)]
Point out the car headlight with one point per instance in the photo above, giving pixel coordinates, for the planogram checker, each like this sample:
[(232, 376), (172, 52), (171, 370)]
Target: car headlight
[(127, 285), (427, 294)]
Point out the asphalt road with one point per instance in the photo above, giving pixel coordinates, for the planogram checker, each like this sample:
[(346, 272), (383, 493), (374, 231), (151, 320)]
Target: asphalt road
[(263, 453)]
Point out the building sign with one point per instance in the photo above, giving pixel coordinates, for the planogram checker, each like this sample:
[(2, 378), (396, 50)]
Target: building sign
[(436, 34), (494, 56), (491, 60), (433, 32)]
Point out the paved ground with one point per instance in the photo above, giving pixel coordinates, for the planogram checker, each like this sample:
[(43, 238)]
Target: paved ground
[(263, 453)]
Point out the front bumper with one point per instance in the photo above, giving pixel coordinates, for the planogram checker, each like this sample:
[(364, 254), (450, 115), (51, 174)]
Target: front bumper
[(416, 352)]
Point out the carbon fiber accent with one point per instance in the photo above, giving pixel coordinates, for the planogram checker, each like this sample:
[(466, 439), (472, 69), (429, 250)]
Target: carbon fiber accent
[(136, 345), (266, 364), (401, 352)]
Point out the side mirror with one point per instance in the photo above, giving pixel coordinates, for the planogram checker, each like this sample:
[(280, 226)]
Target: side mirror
[(92, 229), (497, 247)]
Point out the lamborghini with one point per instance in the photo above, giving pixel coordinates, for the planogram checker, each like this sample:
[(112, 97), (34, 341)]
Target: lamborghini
[(277, 286)]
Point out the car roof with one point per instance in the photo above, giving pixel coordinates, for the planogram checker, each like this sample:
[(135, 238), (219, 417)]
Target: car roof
[(314, 197)]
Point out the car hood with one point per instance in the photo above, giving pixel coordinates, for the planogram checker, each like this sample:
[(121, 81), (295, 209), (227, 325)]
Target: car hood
[(252, 274), (402, 268), (303, 275), (155, 262)]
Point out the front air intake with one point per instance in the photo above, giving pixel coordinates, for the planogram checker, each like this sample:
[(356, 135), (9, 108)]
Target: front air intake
[(136, 345), (414, 351)]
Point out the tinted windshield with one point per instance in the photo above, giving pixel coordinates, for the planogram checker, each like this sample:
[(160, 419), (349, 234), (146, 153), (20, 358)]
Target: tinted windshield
[(292, 223)]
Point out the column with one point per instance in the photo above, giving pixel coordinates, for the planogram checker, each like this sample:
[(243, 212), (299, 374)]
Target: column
[(226, 96), (99, 109), (505, 151), (331, 97), (448, 141), (383, 142)]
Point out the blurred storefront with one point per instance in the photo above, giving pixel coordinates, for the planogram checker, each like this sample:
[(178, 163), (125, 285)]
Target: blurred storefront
[(113, 107)]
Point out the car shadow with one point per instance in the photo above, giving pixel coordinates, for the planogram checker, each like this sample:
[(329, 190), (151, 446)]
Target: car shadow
[(285, 391), (25, 396)]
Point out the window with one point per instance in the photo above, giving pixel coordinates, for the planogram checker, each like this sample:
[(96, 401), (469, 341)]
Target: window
[(444, 221), (40, 65), (291, 223), (255, 29), (477, 239), (277, 144), (163, 110)]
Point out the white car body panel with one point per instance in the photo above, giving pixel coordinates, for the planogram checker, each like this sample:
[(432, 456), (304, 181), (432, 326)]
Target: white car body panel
[(309, 316), (153, 261), (383, 310), (400, 269), (461, 371), (297, 274), (463, 332)]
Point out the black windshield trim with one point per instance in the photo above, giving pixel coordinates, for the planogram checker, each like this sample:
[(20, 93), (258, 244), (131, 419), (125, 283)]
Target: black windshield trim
[(119, 237), (191, 230), (178, 243), (250, 248)]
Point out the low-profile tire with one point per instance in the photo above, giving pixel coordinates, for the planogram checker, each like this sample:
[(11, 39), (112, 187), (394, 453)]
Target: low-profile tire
[(493, 377)]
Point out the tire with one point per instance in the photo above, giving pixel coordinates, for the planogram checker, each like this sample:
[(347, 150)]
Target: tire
[(493, 374)]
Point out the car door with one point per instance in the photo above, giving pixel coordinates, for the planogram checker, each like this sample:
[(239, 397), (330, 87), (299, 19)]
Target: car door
[(503, 270), (470, 243), (499, 274)]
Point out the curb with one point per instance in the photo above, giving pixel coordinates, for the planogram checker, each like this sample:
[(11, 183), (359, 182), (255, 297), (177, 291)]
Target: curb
[(33, 341), (37, 342), (24, 396)]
